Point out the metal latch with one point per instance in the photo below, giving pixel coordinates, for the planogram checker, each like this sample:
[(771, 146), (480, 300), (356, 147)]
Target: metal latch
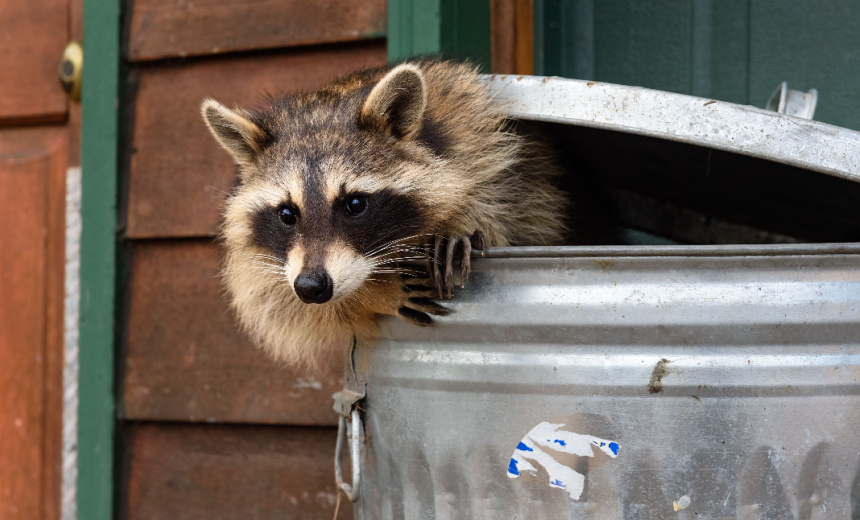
[(345, 403), (793, 102)]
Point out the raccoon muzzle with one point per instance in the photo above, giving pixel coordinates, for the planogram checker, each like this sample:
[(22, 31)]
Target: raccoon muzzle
[(314, 287)]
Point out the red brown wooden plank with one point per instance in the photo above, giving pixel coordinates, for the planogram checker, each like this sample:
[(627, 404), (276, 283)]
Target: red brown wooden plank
[(178, 173), (201, 472), (176, 28), (32, 164), (32, 38), (58, 146), (512, 39), (187, 361)]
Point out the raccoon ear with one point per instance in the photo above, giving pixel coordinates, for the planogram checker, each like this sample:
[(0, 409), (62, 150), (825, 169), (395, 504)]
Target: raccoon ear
[(398, 101), (234, 131)]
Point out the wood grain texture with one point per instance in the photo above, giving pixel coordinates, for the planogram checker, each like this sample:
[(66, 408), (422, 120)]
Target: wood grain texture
[(176, 28), (512, 36), (187, 361), (32, 38), (524, 36), (502, 37), (204, 472), (178, 173), (32, 173), (59, 147)]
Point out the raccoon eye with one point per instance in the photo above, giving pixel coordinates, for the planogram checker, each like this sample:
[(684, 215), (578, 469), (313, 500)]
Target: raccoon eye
[(356, 205), (287, 216)]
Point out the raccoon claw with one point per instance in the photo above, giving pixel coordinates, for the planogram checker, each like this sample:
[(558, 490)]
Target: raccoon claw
[(435, 274), (414, 317), (458, 250), (478, 242), (427, 305), (449, 266), (421, 288), (418, 310), (419, 296)]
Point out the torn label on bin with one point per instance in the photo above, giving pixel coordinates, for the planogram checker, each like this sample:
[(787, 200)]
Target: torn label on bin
[(548, 435)]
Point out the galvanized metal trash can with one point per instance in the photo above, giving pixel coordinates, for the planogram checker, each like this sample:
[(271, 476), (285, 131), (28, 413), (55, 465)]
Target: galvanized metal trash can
[(708, 381)]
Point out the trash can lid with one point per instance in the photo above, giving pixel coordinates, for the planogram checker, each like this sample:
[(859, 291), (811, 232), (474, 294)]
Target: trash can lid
[(720, 125)]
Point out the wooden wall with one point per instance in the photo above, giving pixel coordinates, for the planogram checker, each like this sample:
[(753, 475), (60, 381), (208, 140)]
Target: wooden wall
[(211, 428)]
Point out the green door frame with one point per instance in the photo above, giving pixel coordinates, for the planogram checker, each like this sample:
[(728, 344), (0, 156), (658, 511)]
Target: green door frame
[(100, 99)]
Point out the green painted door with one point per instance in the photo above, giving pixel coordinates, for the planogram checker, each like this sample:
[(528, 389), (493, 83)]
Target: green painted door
[(731, 50), (453, 28)]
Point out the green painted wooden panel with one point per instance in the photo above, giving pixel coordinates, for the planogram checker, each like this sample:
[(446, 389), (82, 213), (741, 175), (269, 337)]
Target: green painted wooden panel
[(413, 28), (466, 30), (732, 50), (810, 44), (99, 166), (455, 28)]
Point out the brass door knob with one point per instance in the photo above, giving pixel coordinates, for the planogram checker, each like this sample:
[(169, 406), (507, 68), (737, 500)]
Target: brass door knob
[(70, 70)]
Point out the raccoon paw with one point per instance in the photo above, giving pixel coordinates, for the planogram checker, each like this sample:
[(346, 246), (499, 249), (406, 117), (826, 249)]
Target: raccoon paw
[(449, 252), (417, 305)]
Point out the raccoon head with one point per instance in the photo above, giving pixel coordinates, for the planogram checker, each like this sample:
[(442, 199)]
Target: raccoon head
[(330, 192)]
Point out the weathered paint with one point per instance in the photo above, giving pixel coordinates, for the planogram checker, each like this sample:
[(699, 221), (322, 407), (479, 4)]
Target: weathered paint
[(550, 436)]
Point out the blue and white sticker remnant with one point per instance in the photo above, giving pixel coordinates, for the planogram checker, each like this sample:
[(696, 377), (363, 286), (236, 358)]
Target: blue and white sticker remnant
[(548, 435)]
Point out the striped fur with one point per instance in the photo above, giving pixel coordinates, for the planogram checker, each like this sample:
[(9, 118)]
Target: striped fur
[(422, 143)]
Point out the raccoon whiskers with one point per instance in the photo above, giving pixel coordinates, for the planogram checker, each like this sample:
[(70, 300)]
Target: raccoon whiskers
[(269, 264), (415, 273), (394, 262), (389, 251), (371, 279), (219, 190), (267, 267), (277, 276), (374, 252), (389, 259), (415, 237), (280, 261), (266, 263)]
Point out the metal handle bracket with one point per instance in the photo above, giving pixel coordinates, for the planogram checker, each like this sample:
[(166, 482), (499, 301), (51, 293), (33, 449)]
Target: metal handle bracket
[(350, 490), (345, 404)]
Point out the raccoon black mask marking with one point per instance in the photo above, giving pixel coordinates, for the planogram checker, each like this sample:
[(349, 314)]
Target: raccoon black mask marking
[(344, 189)]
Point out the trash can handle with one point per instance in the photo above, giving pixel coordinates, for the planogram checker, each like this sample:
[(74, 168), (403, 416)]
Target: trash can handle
[(350, 490)]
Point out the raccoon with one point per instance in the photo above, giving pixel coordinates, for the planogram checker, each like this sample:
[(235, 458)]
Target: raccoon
[(344, 189)]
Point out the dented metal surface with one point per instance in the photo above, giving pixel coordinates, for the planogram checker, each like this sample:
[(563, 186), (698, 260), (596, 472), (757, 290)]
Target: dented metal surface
[(712, 382), (715, 124), (630, 382)]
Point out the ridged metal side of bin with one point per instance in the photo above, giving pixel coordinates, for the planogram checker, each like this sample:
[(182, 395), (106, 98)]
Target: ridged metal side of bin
[(626, 382)]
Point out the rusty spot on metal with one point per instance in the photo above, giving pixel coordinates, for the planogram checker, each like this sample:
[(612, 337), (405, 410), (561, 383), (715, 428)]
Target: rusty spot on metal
[(709, 102), (604, 264), (655, 384), (590, 83)]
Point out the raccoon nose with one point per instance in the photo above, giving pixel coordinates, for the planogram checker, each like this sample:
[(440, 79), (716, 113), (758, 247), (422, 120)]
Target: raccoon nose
[(314, 287)]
